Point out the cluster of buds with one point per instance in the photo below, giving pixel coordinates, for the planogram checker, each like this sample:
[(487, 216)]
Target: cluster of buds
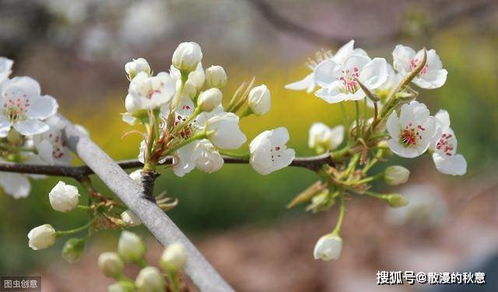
[(131, 250), (392, 122), (185, 116)]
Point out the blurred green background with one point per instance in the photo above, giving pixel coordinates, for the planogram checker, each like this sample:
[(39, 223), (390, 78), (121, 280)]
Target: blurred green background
[(77, 51)]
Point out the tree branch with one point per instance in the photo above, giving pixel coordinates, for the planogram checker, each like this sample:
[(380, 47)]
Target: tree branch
[(311, 163)]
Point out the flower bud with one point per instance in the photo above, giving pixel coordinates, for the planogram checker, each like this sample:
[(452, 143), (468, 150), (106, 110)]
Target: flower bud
[(130, 246), (328, 247), (73, 249), (259, 100), (63, 197), (136, 66), (130, 218), (396, 175), (186, 56), (216, 77), (111, 264), (396, 200), (121, 287), (149, 279), (196, 78), (209, 99), (173, 258), (41, 237)]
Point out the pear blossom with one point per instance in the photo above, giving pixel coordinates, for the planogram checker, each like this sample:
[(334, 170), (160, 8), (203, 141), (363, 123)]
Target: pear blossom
[(210, 99), (199, 154), (5, 68), (308, 83), (412, 132), (323, 138), (130, 246), (187, 56), (222, 128), (259, 100), (52, 148), (340, 82), (41, 237), (136, 66), (149, 279), (64, 197), (433, 75), (269, 151), (146, 92), (328, 247), (111, 264), (23, 108), (16, 185), (173, 258), (194, 82), (444, 147), (216, 76), (395, 175)]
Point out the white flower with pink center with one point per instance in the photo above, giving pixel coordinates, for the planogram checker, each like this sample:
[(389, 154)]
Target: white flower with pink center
[(269, 151), (412, 132), (5, 68), (199, 154), (308, 83), (444, 147), (341, 82), (23, 108), (52, 148), (433, 75), (146, 92)]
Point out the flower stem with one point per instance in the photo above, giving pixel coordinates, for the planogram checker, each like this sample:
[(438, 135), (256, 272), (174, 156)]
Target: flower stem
[(342, 211), (175, 284), (75, 230), (198, 136)]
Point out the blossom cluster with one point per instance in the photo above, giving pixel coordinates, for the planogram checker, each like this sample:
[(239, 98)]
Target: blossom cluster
[(397, 124), (30, 132), (184, 116)]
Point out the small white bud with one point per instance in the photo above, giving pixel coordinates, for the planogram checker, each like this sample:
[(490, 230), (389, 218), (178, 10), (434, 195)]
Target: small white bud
[(63, 197), (130, 218), (121, 287), (111, 264), (136, 176), (216, 77), (396, 175), (209, 99), (187, 56), (41, 237), (130, 246), (149, 279), (136, 66), (73, 249), (173, 258), (328, 247), (259, 100), (396, 200), (196, 78)]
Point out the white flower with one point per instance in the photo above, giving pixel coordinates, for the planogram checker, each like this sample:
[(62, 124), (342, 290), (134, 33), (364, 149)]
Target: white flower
[(5, 68), (323, 138), (339, 82), (199, 154), (149, 279), (328, 247), (308, 83), (23, 108), (412, 132), (16, 185), (396, 175), (444, 147), (64, 197), (130, 246), (41, 237), (210, 99), (269, 151), (130, 218), (216, 76), (405, 60), (51, 147), (173, 257), (111, 264), (223, 128), (187, 56), (136, 66), (259, 100), (146, 92)]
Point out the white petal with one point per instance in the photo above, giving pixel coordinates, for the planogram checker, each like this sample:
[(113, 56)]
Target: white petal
[(325, 73), (375, 73), (185, 163), (305, 84), (393, 125), (14, 184), (407, 152), (402, 55), (26, 85), (452, 165), (332, 94), (443, 118), (4, 126), (31, 127), (45, 150), (42, 107)]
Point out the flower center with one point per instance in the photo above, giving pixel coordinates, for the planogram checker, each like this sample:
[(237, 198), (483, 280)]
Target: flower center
[(414, 63), (16, 107), (444, 144), (410, 135), (58, 145), (349, 79)]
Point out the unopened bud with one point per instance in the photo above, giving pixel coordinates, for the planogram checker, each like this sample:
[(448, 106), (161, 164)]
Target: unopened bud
[(111, 264), (396, 175), (41, 237), (149, 279), (216, 76), (328, 247), (173, 258), (130, 218), (136, 66), (259, 100), (73, 249), (131, 247), (396, 200), (210, 99), (187, 56)]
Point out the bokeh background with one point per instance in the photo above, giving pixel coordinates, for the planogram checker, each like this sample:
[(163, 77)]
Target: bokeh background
[(77, 50)]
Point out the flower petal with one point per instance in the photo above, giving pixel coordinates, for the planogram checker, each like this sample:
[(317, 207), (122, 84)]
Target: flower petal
[(31, 127), (15, 185), (452, 165), (305, 84), (42, 107)]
